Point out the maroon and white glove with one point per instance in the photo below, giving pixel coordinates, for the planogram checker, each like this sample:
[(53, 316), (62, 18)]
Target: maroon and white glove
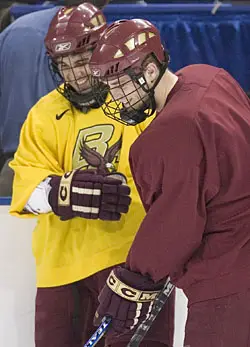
[(128, 298), (89, 195)]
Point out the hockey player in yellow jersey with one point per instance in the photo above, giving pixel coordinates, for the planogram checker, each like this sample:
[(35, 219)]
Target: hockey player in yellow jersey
[(86, 223)]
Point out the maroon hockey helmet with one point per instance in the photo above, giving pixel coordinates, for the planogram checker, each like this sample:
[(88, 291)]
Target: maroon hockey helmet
[(123, 48), (74, 30), (124, 44)]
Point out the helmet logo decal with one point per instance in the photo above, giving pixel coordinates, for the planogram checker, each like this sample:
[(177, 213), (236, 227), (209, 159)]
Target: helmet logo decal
[(96, 72), (68, 10), (118, 54), (132, 43), (142, 38), (63, 47), (141, 80), (94, 21)]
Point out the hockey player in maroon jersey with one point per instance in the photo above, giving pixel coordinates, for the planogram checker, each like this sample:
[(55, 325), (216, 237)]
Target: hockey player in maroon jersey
[(192, 170)]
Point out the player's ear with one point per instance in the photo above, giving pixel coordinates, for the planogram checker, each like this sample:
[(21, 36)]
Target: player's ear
[(151, 72)]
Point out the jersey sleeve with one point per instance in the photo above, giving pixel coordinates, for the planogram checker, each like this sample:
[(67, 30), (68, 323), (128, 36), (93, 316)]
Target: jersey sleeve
[(35, 158), (167, 165)]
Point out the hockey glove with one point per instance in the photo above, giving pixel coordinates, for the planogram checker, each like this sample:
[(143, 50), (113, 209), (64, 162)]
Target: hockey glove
[(128, 298), (89, 195)]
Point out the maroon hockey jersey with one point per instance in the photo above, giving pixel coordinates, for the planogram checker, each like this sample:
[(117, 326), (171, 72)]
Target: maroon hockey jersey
[(192, 170)]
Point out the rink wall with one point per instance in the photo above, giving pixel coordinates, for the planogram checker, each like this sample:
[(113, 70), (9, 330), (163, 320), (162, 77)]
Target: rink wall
[(17, 280), (17, 283)]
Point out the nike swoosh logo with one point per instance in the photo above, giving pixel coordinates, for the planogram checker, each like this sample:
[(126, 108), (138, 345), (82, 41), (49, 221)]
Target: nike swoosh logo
[(59, 116)]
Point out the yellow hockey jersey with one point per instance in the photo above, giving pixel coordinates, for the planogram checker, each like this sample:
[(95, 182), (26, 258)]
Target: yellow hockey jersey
[(57, 138)]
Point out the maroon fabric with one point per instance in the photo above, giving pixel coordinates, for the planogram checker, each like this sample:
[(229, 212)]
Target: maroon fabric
[(224, 322), (112, 202), (57, 321), (64, 316), (123, 311), (191, 169)]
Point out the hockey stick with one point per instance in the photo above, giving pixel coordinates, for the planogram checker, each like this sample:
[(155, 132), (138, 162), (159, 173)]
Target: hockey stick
[(143, 328), (98, 334)]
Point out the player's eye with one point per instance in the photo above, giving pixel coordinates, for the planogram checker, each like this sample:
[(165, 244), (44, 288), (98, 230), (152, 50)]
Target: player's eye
[(63, 66), (81, 63)]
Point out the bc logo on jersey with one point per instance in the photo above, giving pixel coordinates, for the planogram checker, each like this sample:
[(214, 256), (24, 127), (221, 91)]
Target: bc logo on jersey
[(92, 148)]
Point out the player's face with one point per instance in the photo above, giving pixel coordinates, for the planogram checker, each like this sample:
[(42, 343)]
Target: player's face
[(127, 92), (75, 70)]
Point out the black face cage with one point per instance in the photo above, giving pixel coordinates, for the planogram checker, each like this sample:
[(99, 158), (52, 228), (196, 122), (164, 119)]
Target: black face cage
[(121, 108), (82, 100)]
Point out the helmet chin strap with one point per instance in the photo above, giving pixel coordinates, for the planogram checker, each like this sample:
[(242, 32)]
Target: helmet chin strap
[(84, 102), (134, 117)]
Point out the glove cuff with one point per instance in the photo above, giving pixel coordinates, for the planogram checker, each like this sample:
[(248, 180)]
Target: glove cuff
[(129, 293), (65, 189)]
